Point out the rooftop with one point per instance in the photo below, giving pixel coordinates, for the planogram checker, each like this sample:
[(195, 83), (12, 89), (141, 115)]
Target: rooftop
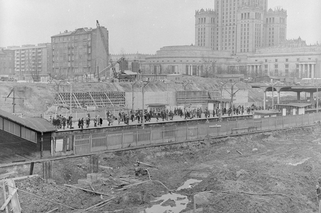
[(36, 124)]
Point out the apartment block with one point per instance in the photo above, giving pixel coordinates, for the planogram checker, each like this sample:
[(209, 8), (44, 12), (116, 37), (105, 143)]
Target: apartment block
[(6, 62), (79, 54), (31, 61)]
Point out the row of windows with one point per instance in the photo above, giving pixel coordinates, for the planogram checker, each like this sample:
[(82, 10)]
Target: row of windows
[(71, 38)]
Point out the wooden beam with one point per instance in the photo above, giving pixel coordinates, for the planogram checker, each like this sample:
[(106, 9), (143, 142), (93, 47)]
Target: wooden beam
[(86, 190), (8, 200)]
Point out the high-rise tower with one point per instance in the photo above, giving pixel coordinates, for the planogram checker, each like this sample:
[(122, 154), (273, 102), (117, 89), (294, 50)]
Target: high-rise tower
[(240, 26), (205, 29), (275, 25)]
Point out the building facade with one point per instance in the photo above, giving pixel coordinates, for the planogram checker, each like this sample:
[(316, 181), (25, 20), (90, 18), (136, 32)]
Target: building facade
[(187, 60), (205, 28), (292, 58), (31, 61), (240, 26), (80, 54), (135, 61), (275, 27), (7, 62)]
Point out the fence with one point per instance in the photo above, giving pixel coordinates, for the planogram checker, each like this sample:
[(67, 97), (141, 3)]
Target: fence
[(106, 139)]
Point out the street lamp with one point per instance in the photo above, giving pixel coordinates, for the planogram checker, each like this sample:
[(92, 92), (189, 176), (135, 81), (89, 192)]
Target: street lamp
[(272, 85), (133, 84), (143, 114), (70, 107)]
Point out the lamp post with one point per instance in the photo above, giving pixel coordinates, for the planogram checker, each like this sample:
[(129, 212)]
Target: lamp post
[(272, 85), (70, 107), (143, 114), (133, 94)]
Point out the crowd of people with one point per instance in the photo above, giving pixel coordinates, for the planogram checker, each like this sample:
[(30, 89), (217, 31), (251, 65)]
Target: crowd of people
[(132, 116)]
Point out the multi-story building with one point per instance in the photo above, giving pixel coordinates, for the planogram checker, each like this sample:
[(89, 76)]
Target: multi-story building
[(80, 54), (135, 62), (187, 60), (205, 28), (31, 61), (292, 58), (240, 26), (275, 27), (6, 62)]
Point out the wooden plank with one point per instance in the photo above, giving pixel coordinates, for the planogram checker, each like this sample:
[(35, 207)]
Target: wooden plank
[(86, 190), (15, 204), (8, 200), (5, 175), (53, 210), (5, 195)]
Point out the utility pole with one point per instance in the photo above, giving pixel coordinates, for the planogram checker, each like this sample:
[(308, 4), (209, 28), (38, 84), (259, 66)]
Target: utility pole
[(13, 92), (143, 102)]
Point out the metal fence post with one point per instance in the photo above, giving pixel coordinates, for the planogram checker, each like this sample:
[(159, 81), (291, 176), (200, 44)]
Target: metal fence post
[(122, 138), (151, 135), (163, 132)]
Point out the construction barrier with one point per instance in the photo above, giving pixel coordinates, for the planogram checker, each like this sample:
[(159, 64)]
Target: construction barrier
[(101, 139)]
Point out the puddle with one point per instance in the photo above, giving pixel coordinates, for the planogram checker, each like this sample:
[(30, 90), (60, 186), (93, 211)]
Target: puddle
[(172, 203), (189, 184)]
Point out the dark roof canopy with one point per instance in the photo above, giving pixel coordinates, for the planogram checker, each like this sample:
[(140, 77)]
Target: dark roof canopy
[(36, 124)]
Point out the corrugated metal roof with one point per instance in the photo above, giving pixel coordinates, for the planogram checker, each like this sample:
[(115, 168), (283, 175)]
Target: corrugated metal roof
[(36, 124)]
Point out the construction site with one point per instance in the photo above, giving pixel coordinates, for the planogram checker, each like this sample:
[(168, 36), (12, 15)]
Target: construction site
[(265, 172), (262, 171)]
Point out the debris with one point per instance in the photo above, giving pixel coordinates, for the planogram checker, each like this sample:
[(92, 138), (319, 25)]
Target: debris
[(86, 190), (259, 194), (145, 164), (105, 167), (239, 152), (131, 185), (100, 204), (53, 210)]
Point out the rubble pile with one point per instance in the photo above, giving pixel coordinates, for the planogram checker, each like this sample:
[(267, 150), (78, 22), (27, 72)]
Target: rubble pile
[(267, 172)]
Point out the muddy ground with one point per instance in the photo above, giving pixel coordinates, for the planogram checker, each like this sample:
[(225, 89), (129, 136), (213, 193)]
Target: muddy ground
[(270, 172)]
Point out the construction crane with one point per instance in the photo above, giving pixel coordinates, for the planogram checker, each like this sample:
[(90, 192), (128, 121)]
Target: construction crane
[(104, 41), (13, 92)]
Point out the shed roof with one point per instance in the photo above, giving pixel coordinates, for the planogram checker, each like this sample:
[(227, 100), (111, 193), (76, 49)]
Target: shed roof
[(36, 124)]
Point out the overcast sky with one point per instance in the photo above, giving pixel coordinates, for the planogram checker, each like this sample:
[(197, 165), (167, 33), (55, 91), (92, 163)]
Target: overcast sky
[(141, 26)]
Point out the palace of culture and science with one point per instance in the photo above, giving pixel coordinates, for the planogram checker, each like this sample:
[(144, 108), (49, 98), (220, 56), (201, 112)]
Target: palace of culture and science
[(240, 26)]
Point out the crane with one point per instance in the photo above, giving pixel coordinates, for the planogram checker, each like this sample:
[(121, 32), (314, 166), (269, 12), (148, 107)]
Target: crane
[(105, 43)]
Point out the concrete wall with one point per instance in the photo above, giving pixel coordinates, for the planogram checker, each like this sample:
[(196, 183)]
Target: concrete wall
[(150, 98)]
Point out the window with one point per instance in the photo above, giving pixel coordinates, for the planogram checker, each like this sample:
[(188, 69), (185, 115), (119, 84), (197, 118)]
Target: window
[(276, 60)]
